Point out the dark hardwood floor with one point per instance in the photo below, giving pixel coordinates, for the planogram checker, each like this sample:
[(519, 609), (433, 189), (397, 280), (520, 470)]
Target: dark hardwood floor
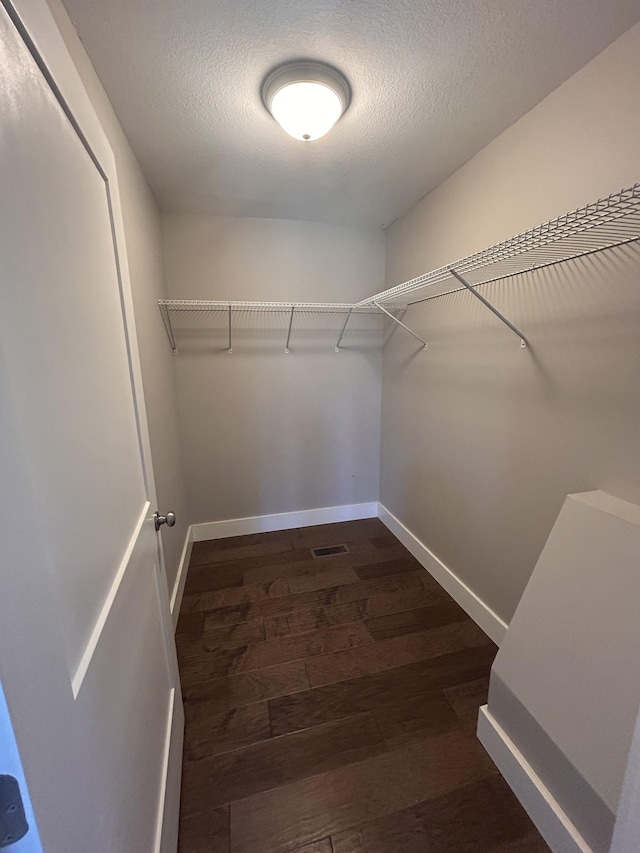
[(331, 703)]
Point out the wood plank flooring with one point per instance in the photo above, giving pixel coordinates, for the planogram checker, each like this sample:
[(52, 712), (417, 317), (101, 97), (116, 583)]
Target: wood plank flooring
[(331, 703)]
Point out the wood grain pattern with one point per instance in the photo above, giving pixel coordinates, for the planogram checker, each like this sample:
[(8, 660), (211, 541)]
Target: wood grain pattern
[(299, 558), (230, 636), (278, 626), (207, 832), (356, 591), (323, 579), (199, 603), (213, 578), (395, 652), (330, 704), (388, 567), (300, 562), (228, 661), (209, 731), (191, 624), (226, 636), (322, 846), (342, 531), (231, 543), (397, 623), (343, 699), (226, 550), (302, 620), (532, 843), (223, 693), (272, 763), (465, 699), (283, 818), (481, 816)]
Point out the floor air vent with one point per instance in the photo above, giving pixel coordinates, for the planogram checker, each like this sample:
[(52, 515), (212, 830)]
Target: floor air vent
[(329, 551)]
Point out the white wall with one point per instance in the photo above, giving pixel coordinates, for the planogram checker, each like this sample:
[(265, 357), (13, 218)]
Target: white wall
[(144, 252), (575, 629), (264, 432), (481, 440)]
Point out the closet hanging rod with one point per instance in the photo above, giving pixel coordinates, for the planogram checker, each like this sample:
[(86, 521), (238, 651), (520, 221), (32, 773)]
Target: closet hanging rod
[(604, 224)]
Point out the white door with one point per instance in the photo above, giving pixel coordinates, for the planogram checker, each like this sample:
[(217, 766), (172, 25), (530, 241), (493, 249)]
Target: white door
[(87, 662)]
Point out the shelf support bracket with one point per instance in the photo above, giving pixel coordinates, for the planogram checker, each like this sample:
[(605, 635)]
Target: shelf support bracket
[(230, 348), (166, 319), (514, 329), (344, 328), (395, 320), (286, 349)]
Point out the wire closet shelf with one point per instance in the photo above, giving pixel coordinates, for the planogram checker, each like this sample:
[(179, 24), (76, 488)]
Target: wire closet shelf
[(174, 307), (604, 224)]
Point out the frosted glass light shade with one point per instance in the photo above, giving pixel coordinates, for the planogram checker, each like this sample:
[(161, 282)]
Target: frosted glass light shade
[(306, 110), (306, 98)]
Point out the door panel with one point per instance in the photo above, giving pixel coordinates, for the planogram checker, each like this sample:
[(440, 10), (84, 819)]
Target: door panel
[(128, 735), (66, 339), (87, 661)]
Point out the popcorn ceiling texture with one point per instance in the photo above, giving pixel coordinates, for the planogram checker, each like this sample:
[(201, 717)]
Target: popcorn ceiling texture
[(433, 82)]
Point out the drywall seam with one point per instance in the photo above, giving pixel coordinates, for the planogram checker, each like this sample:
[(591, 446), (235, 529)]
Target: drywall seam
[(477, 609), (543, 809)]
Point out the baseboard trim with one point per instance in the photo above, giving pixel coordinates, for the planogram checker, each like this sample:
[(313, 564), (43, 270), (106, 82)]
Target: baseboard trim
[(282, 521), (543, 809), (181, 577), (477, 609)]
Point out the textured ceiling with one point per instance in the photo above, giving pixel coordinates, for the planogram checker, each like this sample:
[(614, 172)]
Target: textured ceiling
[(433, 81)]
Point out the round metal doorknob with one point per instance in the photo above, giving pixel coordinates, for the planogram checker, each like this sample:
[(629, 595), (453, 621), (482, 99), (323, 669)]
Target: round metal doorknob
[(169, 519)]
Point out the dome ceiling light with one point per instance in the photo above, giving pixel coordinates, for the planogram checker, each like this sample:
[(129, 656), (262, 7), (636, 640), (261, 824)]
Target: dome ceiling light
[(306, 98)]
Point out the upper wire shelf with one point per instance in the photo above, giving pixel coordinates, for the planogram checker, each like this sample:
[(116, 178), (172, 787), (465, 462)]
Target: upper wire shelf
[(604, 224)]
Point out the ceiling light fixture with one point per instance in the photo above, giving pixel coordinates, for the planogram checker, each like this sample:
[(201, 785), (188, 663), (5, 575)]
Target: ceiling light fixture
[(306, 98)]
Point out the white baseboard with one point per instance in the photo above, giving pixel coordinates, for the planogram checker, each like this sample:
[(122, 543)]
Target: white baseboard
[(477, 609), (480, 612), (181, 577), (543, 809), (282, 521)]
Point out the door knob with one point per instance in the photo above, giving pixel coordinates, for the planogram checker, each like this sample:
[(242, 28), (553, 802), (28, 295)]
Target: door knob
[(169, 519)]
